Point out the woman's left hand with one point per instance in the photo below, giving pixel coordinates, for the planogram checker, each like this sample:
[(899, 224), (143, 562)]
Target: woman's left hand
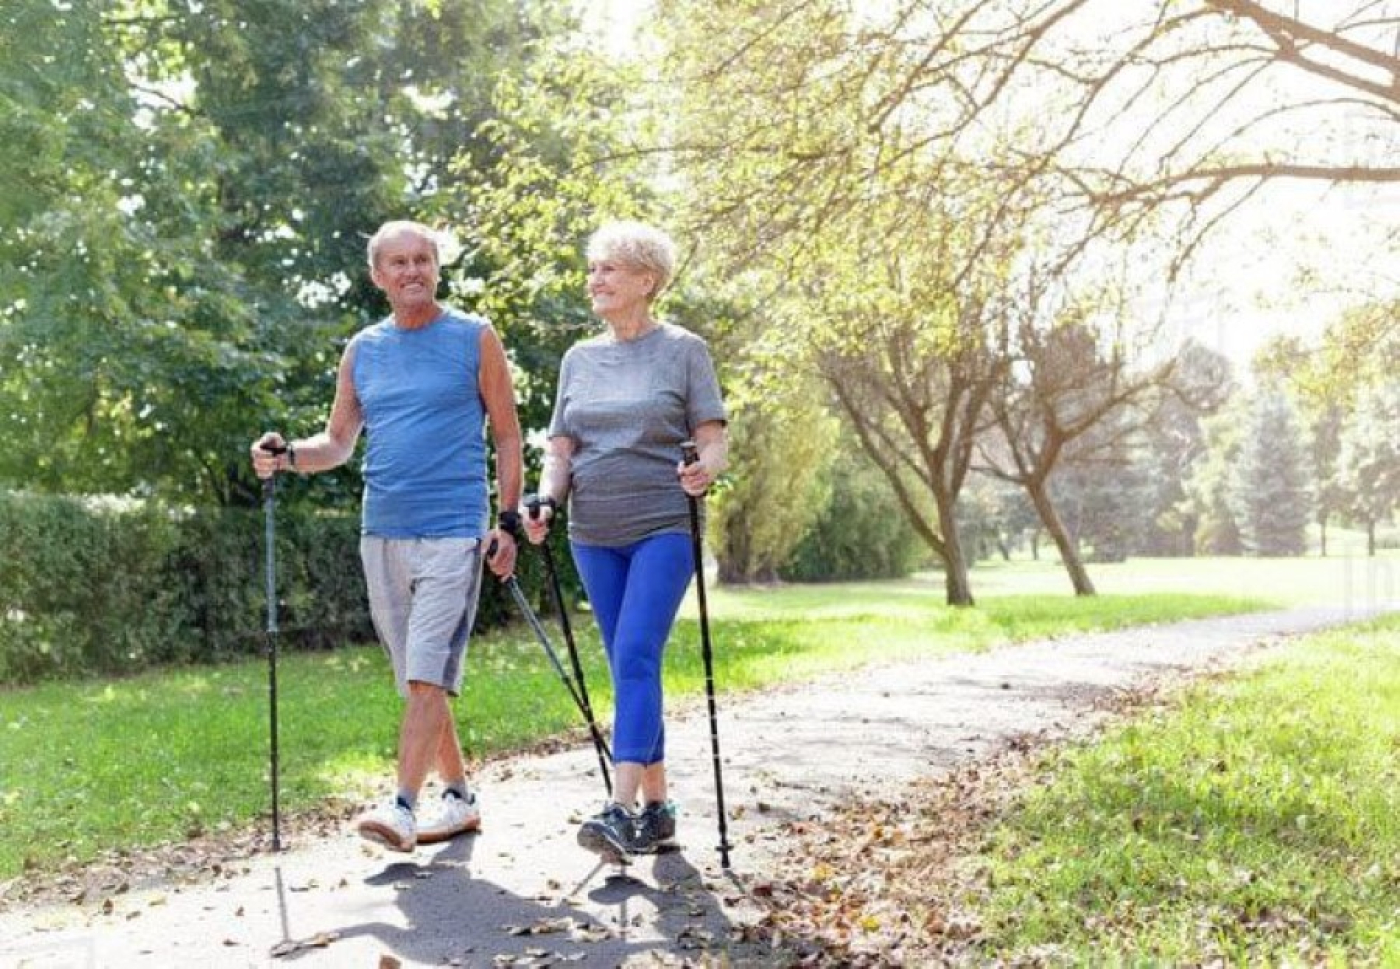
[(695, 478)]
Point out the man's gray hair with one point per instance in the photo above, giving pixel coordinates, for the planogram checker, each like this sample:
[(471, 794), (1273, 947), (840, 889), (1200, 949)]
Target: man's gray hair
[(390, 229)]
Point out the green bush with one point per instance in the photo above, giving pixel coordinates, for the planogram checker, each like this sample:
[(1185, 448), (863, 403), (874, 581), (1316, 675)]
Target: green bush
[(82, 591), (90, 590), (219, 568), (862, 533)]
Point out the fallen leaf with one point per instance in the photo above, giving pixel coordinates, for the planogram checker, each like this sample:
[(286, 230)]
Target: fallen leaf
[(542, 927), (590, 933)]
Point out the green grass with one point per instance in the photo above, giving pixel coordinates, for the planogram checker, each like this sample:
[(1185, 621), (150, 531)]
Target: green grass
[(154, 758), (1339, 580), (1255, 822)]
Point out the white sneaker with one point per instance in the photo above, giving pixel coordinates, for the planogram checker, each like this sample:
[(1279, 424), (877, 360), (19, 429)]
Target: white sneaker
[(391, 825), (455, 816)]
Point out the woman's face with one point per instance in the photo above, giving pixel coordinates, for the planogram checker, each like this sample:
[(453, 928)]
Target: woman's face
[(618, 288)]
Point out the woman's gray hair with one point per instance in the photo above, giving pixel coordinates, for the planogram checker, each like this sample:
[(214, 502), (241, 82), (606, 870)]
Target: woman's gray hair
[(640, 246)]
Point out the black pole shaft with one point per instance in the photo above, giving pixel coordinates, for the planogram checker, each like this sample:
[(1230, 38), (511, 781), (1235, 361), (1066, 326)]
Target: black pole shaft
[(270, 562), (567, 627), (690, 456), (524, 605)]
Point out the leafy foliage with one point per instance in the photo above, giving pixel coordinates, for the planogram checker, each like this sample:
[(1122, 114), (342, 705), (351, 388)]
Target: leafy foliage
[(779, 482), (857, 535), (1368, 463), (184, 262), (191, 589)]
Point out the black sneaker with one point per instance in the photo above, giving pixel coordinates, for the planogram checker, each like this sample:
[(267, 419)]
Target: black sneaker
[(609, 834), (656, 829)]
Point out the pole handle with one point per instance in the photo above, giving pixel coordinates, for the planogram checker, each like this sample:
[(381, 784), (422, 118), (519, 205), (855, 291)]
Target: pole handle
[(270, 482), (535, 504)]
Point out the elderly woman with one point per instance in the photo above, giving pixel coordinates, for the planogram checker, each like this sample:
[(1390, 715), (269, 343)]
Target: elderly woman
[(627, 398)]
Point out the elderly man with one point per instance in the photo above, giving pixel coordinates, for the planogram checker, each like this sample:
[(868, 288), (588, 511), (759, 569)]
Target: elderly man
[(421, 384)]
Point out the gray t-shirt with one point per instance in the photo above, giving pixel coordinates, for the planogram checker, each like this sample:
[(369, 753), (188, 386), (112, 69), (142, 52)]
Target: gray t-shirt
[(627, 406)]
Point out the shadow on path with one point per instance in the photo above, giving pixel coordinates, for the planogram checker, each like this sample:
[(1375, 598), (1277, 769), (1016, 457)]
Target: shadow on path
[(442, 915)]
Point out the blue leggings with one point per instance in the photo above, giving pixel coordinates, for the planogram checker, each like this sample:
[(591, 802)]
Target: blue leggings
[(635, 591)]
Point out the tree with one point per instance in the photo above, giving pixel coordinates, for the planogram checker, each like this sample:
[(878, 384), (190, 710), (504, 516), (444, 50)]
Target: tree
[(1368, 463), (1175, 440), (1324, 404), (95, 286), (885, 257), (1208, 485), (1359, 348), (852, 537), (1070, 387), (554, 160), (187, 263), (1104, 489), (782, 445), (1005, 516), (1269, 491), (1186, 104)]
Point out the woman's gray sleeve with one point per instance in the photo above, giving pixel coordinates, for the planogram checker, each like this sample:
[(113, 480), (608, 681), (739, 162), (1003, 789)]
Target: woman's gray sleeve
[(703, 399)]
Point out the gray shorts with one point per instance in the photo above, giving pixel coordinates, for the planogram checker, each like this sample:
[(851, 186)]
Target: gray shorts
[(422, 598)]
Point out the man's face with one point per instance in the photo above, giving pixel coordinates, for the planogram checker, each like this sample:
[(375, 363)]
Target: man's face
[(406, 269)]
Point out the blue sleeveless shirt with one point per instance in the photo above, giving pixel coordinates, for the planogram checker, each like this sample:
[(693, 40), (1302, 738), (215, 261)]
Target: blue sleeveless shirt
[(425, 464)]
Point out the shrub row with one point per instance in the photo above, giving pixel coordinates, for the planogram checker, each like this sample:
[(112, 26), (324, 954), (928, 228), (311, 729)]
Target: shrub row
[(91, 590)]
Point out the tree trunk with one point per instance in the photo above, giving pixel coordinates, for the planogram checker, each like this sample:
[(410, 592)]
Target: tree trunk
[(731, 572), (1370, 539), (1322, 523), (955, 579), (1069, 554)]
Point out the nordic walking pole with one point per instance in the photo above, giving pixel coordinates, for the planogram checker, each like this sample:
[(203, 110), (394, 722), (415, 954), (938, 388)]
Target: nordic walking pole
[(689, 455), (523, 604), (270, 576), (533, 505)]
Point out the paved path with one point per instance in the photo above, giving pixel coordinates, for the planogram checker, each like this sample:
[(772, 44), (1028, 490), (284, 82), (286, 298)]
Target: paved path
[(522, 886)]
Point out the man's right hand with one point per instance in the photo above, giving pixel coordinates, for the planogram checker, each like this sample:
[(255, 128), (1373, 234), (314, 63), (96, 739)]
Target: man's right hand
[(269, 454)]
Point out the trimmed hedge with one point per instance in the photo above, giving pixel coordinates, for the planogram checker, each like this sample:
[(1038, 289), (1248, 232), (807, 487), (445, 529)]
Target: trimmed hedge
[(88, 590)]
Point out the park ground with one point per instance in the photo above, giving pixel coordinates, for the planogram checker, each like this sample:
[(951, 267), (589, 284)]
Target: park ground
[(914, 811)]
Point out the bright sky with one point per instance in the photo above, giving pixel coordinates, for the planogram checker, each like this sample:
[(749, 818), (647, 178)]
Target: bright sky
[(1290, 265)]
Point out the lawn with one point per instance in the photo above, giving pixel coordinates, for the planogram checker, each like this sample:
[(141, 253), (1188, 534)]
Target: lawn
[(128, 762), (1256, 821)]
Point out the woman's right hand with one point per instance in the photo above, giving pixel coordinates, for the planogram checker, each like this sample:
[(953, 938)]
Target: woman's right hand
[(537, 515)]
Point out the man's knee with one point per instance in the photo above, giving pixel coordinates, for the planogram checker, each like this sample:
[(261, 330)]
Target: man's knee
[(423, 690)]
